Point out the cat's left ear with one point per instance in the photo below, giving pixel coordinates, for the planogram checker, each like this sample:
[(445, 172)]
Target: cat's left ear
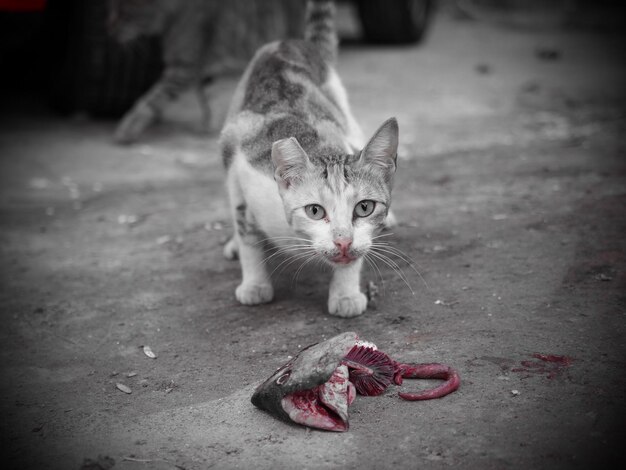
[(381, 151), (290, 162)]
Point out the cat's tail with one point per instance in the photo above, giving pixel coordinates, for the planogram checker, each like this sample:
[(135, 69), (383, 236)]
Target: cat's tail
[(320, 28)]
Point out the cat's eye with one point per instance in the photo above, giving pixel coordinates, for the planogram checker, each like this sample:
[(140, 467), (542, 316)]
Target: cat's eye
[(315, 211), (364, 208)]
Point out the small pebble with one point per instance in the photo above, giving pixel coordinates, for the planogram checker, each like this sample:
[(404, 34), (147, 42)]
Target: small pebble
[(123, 388), (163, 240), (147, 350)]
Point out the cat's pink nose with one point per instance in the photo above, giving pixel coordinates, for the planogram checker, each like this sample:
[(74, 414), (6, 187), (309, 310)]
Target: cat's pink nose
[(343, 244)]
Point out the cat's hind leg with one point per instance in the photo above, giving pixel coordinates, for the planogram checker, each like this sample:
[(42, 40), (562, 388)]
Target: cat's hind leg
[(150, 106), (205, 98), (214, 94), (345, 298), (256, 286)]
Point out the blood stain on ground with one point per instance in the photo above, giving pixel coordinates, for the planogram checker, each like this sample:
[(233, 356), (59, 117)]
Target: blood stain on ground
[(550, 364)]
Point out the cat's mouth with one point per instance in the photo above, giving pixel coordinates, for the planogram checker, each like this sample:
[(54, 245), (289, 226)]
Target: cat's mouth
[(343, 258)]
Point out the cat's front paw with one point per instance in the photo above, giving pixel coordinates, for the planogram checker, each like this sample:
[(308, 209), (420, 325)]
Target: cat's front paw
[(134, 123), (348, 305), (254, 294)]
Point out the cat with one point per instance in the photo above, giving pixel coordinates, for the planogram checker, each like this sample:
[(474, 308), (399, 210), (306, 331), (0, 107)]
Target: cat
[(202, 40), (298, 177)]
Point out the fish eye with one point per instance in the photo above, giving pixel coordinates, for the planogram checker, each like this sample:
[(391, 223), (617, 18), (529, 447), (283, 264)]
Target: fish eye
[(283, 378), (364, 208), (315, 211)]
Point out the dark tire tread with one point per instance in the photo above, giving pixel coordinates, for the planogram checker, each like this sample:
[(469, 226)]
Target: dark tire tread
[(392, 21)]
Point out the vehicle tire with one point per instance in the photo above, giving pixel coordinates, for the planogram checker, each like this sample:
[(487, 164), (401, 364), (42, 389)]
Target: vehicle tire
[(395, 21), (97, 75)]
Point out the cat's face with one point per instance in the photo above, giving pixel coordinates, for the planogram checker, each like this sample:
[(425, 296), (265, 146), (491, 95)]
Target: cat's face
[(338, 213), (129, 19), (338, 203)]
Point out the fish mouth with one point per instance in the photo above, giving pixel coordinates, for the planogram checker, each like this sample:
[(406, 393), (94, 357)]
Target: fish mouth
[(325, 406), (364, 370)]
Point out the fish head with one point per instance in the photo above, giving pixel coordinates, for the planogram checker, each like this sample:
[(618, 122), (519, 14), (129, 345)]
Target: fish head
[(316, 387), (313, 388)]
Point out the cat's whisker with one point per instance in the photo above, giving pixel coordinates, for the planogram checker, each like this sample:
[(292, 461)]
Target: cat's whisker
[(385, 247), (290, 260), (376, 269), (389, 262), (286, 262), (289, 253), (307, 259), (393, 265), (301, 267), (396, 269), (282, 246), (389, 234), (284, 238), (290, 248), (273, 255), (281, 251), (416, 271), (275, 242), (288, 237), (391, 250), (397, 252)]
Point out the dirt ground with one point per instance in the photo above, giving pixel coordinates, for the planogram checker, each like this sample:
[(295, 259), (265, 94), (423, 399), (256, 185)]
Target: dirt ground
[(511, 195)]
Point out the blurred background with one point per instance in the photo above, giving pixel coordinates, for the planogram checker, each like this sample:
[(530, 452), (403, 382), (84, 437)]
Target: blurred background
[(511, 197), (96, 58), (77, 54)]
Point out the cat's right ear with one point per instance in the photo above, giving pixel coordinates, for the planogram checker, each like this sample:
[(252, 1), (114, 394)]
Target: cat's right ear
[(290, 161), (380, 153)]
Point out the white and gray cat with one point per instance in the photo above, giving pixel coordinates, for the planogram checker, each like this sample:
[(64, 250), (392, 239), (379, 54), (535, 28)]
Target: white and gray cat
[(298, 177)]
